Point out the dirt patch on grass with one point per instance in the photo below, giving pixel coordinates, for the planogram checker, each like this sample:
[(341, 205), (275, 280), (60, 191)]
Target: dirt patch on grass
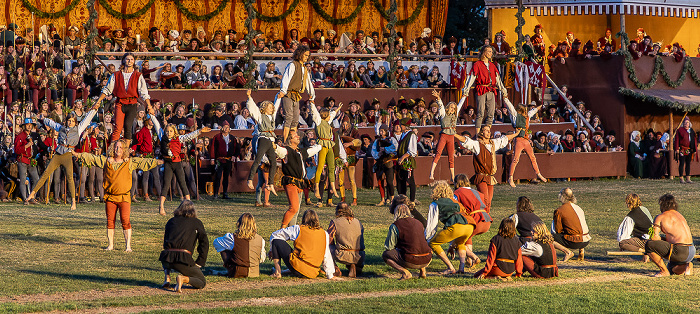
[(304, 300)]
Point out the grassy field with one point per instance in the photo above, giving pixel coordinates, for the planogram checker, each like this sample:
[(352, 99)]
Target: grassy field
[(53, 260)]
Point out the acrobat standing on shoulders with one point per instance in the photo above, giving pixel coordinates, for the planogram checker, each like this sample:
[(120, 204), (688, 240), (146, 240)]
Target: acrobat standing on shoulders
[(488, 82), (521, 123), (296, 80)]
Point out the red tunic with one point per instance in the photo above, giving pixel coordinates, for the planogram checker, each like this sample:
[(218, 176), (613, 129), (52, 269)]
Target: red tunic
[(23, 153), (485, 77), (130, 96), (144, 142), (473, 204)]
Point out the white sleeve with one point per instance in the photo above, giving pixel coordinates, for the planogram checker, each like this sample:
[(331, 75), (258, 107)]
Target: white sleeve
[(471, 145), (287, 77), (156, 126), (501, 87), (511, 108), (342, 153), (189, 136), (377, 126), (86, 121), (263, 253), (315, 115), (109, 88), (500, 142), (441, 111), (253, 109), (514, 217), (531, 248), (431, 225), (461, 103), (332, 115), (313, 150), (328, 264), (310, 87), (143, 88), (470, 81), (286, 234), (281, 152), (413, 145), (624, 232), (532, 112)]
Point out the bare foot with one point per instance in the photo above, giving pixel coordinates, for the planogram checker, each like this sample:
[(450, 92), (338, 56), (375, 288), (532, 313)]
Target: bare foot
[(335, 193), (128, 250), (504, 279), (432, 177), (568, 256), (109, 248), (162, 212), (180, 281), (423, 273), (542, 178), (581, 254), (317, 194), (250, 185), (72, 206), (448, 272), (276, 275), (510, 181), (645, 259), (689, 269), (406, 275), (662, 274)]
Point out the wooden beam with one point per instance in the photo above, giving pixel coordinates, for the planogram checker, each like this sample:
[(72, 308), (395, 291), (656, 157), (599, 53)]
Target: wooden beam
[(628, 253)]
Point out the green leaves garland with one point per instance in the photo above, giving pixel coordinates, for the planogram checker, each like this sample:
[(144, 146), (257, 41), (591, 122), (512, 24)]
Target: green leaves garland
[(273, 19), (251, 82), (92, 33), (391, 27), (519, 31), (126, 16), (659, 68), (684, 107), (50, 15), (194, 17), (317, 7), (386, 15)]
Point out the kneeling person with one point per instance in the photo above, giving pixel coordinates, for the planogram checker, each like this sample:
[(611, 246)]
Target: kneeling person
[(347, 239), (244, 250), (678, 245)]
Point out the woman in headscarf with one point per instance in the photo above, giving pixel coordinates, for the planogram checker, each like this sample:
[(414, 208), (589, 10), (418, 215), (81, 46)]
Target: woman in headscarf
[(636, 156)]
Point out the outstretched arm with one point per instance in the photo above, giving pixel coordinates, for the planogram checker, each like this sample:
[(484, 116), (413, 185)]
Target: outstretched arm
[(86, 121), (91, 160)]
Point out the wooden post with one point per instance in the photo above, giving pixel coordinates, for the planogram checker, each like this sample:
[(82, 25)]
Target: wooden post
[(671, 153)]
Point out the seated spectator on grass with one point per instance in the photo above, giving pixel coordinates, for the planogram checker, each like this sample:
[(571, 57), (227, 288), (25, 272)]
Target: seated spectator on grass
[(242, 251), (347, 241), (677, 246), (183, 233), (633, 233), (539, 256), (505, 256), (310, 252), (569, 226), (405, 245)]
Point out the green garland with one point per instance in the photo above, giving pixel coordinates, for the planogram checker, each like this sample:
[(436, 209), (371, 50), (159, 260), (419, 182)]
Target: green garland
[(92, 33), (519, 31), (684, 107), (194, 17), (251, 82), (317, 7), (391, 27), (50, 15), (127, 16), (273, 19), (409, 20)]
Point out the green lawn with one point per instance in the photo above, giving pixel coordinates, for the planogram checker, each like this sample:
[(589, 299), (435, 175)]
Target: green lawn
[(54, 260)]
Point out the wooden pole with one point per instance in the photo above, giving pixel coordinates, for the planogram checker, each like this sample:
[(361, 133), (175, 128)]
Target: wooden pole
[(554, 85), (671, 153)]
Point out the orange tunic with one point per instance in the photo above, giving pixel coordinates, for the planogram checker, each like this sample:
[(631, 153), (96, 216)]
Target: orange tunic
[(309, 250), (117, 176)]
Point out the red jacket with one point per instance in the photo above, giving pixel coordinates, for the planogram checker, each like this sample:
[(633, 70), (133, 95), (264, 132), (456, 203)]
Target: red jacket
[(483, 85), (23, 153), (218, 148), (144, 142), (126, 96)]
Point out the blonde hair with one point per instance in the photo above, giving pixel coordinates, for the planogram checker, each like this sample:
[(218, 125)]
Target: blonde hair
[(170, 126), (265, 104), (112, 149), (402, 211), (451, 108), (441, 189), (542, 232), (246, 228), (521, 109), (632, 200)]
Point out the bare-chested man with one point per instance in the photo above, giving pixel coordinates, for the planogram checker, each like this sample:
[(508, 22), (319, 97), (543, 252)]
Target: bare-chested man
[(678, 245)]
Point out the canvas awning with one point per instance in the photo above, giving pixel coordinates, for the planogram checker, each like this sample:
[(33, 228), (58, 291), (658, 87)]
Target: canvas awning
[(668, 8), (679, 99)]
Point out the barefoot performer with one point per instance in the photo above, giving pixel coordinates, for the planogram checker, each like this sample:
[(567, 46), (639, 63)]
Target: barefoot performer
[(127, 85), (324, 133), (68, 139), (522, 142), (405, 245), (448, 123), (294, 174), (265, 129), (295, 81), (458, 227), (171, 147), (633, 233), (505, 255), (484, 150), (118, 167), (678, 246)]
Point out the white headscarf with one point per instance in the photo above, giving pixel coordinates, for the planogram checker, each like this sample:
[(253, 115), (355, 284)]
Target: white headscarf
[(633, 136)]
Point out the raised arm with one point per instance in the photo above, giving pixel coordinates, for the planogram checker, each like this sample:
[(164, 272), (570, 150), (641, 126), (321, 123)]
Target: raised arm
[(286, 234), (333, 113), (144, 164), (53, 124), (156, 126), (193, 135), (253, 108), (86, 121), (314, 114)]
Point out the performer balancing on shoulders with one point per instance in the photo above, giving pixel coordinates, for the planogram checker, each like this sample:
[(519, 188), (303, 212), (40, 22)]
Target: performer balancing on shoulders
[(68, 138), (485, 74), (295, 81), (448, 123), (324, 133), (265, 129), (118, 167), (127, 85), (522, 142)]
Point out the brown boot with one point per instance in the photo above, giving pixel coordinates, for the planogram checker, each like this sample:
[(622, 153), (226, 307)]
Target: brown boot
[(354, 202), (581, 254), (352, 271)]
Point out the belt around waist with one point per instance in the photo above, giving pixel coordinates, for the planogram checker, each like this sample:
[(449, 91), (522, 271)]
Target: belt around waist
[(418, 255), (549, 266), (505, 260), (178, 250)]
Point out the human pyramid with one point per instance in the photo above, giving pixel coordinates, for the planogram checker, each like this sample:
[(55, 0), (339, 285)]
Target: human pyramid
[(523, 243)]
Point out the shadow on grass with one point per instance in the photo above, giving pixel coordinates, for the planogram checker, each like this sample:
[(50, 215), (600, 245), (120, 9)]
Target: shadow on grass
[(599, 267), (41, 239), (93, 278)]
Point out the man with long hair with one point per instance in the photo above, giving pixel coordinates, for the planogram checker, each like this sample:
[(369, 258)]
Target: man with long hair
[(295, 81), (127, 85), (118, 167), (678, 246), (488, 82)]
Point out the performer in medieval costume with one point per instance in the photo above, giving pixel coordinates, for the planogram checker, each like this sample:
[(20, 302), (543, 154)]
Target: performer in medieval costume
[(505, 257), (485, 74), (294, 174), (684, 147), (384, 155), (448, 123), (118, 167), (538, 41), (406, 153), (324, 134), (295, 81), (127, 85), (350, 144), (265, 129), (68, 138), (633, 233), (522, 140), (608, 39)]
